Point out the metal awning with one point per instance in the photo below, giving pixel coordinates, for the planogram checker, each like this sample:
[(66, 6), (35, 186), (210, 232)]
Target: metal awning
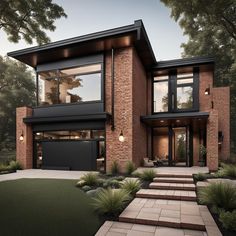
[(91, 117), (180, 119)]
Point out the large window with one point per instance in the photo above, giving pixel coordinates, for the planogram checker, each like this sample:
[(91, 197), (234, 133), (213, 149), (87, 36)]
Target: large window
[(78, 84), (160, 94), (184, 92), (175, 91)]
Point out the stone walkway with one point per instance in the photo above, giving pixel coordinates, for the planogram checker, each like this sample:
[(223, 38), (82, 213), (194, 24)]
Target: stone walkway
[(164, 210)]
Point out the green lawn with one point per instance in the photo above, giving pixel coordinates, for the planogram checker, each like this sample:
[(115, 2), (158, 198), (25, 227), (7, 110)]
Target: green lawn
[(30, 207)]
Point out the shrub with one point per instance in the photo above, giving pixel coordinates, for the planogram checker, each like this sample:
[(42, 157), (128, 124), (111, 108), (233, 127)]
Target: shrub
[(15, 165), (86, 188), (148, 175), (4, 167), (115, 167), (131, 185), (219, 195), (110, 201), (129, 168), (119, 178), (229, 170), (80, 183), (113, 183), (93, 192), (228, 219), (200, 177), (90, 179), (136, 174), (100, 182)]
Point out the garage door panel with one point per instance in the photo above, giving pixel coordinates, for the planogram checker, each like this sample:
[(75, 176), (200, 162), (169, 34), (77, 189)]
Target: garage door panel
[(75, 155)]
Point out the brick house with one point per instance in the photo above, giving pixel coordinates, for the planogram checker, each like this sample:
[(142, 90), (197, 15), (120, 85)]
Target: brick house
[(103, 97)]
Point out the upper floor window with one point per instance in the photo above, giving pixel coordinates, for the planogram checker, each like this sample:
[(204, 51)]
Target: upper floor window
[(184, 92), (70, 85), (160, 94), (174, 91)]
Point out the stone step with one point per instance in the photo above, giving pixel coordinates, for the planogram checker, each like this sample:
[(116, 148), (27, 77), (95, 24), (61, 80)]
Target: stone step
[(172, 186), (174, 180), (167, 194), (168, 213), (127, 229), (176, 175)]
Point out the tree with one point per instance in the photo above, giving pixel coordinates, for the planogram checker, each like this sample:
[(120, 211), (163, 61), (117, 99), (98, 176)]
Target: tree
[(17, 88), (28, 19), (211, 28)]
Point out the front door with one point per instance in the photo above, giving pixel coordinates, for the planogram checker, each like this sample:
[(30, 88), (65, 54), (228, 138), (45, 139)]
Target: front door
[(172, 146)]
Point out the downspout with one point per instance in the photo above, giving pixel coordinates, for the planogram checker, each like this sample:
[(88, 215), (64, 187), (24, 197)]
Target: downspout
[(37, 87), (113, 92)]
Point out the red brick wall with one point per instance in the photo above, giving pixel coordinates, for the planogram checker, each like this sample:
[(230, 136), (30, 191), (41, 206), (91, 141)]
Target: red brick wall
[(130, 104), (221, 98), (139, 108), (115, 150), (212, 141), (24, 149)]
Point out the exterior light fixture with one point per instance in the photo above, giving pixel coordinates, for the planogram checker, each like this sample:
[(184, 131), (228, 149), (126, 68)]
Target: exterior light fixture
[(220, 137), (38, 133), (21, 136), (207, 91), (162, 121), (121, 137), (177, 121)]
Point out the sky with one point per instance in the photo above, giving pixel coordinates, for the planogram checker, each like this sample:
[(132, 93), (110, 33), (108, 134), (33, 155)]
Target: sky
[(89, 16)]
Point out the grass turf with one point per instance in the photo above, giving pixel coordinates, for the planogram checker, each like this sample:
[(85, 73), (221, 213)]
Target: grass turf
[(45, 207)]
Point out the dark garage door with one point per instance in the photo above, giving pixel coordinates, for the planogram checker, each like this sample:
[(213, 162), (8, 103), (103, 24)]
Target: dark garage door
[(74, 155)]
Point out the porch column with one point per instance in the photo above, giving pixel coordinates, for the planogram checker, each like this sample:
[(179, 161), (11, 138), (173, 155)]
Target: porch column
[(212, 141), (24, 148)]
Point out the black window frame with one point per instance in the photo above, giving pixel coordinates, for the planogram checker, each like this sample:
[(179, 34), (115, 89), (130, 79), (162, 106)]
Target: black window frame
[(68, 64), (172, 91)]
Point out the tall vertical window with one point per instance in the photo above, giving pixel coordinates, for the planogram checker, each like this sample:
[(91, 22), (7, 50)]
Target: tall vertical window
[(160, 94), (78, 84), (184, 91)]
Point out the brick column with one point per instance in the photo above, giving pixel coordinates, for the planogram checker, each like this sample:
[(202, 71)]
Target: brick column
[(212, 141), (24, 149)]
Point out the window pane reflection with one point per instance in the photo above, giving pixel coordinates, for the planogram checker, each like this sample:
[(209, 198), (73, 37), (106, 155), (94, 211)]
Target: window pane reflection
[(160, 102), (184, 97)]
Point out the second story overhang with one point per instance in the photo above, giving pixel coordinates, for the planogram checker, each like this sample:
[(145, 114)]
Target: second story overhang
[(130, 35)]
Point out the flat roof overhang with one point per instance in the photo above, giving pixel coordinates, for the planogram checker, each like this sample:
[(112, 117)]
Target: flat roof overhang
[(104, 116), (178, 119), (130, 35)]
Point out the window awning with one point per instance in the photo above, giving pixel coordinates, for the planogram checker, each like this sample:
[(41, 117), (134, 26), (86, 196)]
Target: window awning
[(91, 117), (180, 119)]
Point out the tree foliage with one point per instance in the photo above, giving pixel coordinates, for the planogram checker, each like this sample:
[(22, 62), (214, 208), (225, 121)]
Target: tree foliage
[(28, 20), (211, 28), (17, 88)]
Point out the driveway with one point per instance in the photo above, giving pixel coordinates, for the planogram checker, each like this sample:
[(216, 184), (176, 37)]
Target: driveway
[(43, 174)]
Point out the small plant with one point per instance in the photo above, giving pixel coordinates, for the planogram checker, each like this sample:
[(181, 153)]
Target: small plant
[(111, 201), (228, 219), (115, 167), (80, 183), (219, 195), (229, 170), (119, 178), (86, 188), (15, 165), (100, 182), (90, 179), (113, 183), (129, 168), (202, 154), (93, 192), (200, 177), (131, 186), (148, 175), (136, 174)]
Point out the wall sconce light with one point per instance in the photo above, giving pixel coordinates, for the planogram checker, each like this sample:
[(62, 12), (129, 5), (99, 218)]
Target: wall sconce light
[(207, 91), (21, 136), (220, 137), (121, 137)]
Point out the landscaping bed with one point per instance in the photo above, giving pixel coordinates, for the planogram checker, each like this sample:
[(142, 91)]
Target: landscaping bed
[(218, 192)]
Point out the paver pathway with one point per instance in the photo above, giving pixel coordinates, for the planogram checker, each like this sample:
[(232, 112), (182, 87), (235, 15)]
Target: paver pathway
[(168, 208)]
